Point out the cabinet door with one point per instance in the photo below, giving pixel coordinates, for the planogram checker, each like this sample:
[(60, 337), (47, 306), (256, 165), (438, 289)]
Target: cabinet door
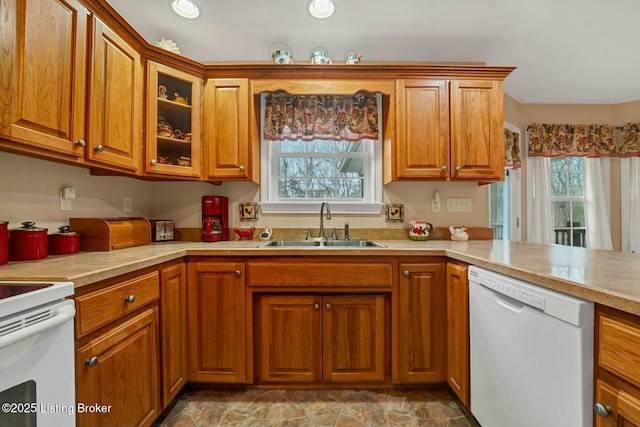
[(173, 330), (115, 101), (216, 318), (42, 90), (420, 340), (623, 408), (422, 149), (226, 129), (458, 331), (290, 340), (173, 127), (124, 375), (477, 130), (354, 338)]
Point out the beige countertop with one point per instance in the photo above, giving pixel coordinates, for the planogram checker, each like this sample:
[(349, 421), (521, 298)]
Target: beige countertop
[(605, 277)]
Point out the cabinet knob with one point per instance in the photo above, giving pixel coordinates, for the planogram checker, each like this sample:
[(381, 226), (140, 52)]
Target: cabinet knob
[(100, 148), (445, 168), (237, 273), (328, 306), (316, 306), (406, 273), (602, 410), (458, 168), (154, 162), (91, 362), (241, 168), (130, 298), (81, 143)]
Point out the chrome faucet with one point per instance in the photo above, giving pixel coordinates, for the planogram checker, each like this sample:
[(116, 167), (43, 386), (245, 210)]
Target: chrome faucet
[(322, 219)]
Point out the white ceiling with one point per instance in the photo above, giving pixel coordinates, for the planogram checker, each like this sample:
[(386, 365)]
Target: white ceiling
[(566, 51)]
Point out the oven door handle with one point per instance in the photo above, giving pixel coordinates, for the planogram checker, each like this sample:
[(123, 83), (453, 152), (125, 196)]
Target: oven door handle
[(61, 315)]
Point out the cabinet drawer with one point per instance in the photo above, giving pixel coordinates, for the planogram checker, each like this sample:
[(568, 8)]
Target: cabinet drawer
[(101, 307), (319, 274), (619, 347)]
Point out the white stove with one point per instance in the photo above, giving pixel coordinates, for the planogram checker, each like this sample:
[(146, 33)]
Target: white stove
[(37, 381)]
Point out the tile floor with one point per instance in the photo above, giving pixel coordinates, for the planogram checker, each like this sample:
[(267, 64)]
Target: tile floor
[(316, 408)]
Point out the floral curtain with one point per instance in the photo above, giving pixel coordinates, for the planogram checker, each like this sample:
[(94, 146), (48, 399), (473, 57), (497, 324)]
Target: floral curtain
[(512, 150), (352, 117), (630, 140), (555, 140)]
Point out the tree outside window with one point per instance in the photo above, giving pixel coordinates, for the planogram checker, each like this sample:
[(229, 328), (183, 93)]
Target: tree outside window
[(567, 201)]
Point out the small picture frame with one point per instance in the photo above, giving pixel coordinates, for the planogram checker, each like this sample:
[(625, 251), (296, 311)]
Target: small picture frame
[(395, 213), (248, 211)]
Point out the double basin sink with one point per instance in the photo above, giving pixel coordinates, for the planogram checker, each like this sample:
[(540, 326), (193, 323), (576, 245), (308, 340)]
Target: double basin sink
[(322, 244)]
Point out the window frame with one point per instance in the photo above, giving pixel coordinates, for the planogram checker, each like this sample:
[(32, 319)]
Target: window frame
[(270, 179), (571, 229)]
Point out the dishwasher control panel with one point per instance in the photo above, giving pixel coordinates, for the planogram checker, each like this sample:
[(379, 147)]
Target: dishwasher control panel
[(502, 286)]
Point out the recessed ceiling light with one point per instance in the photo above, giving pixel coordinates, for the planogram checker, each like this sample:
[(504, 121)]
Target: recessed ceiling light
[(321, 9), (186, 8)]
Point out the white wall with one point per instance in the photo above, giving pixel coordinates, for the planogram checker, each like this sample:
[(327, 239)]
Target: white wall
[(29, 191)]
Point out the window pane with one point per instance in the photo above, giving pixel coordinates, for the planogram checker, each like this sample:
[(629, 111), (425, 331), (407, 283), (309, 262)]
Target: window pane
[(576, 183), (288, 166), (323, 146), (291, 146), (559, 183), (578, 214), (561, 213), (558, 163), (292, 188), (351, 167), (321, 189), (350, 189), (321, 167)]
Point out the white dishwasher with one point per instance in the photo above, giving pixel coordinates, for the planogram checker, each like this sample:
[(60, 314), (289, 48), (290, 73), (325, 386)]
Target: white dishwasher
[(531, 354)]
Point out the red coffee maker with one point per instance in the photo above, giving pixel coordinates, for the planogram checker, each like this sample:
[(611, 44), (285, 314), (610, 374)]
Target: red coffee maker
[(215, 218)]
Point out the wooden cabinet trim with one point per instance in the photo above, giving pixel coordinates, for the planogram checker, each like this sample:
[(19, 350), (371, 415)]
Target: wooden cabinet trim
[(320, 274)]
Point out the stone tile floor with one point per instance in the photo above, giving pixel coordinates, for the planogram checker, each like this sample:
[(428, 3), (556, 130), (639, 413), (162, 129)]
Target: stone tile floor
[(316, 408)]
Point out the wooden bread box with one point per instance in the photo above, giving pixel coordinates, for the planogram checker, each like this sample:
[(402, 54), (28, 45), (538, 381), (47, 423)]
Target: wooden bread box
[(107, 234)]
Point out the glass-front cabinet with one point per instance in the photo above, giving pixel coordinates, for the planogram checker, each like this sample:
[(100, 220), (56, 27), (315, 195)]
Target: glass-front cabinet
[(174, 115)]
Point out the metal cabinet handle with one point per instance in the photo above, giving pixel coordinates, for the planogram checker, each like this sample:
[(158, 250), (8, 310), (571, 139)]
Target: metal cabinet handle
[(237, 273), (130, 298), (154, 162), (602, 410), (81, 143), (406, 273), (445, 168), (458, 168), (241, 168), (316, 306), (91, 362), (100, 148), (328, 306)]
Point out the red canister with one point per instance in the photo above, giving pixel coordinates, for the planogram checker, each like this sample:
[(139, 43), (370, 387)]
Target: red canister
[(28, 242), (4, 242), (65, 242)]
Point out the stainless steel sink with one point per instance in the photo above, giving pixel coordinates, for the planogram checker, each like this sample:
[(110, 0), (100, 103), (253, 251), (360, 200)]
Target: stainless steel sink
[(322, 244)]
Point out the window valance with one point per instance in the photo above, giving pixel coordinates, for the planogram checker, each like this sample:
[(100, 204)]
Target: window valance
[(512, 150), (629, 145), (339, 117), (586, 140)]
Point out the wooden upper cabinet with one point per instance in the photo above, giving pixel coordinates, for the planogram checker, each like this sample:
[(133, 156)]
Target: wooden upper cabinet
[(115, 101), (422, 145), (477, 130), (43, 74), (174, 113), (226, 130)]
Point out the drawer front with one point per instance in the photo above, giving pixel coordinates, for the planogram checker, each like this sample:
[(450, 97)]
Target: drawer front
[(319, 274), (101, 307), (619, 348)]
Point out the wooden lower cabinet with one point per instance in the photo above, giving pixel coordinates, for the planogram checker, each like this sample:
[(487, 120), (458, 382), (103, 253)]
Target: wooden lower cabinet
[(420, 341), (617, 376), (119, 370), (321, 338), (173, 330), (458, 331), (216, 320)]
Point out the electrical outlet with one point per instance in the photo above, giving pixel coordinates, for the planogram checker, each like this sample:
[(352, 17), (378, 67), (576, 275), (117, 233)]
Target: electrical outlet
[(65, 204), (459, 205), (126, 205)]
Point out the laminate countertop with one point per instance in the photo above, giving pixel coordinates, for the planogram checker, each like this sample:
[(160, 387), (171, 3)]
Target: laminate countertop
[(605, 277)]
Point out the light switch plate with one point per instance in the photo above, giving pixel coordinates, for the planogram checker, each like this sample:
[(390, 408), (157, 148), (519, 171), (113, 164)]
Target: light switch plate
[(459, 205)]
